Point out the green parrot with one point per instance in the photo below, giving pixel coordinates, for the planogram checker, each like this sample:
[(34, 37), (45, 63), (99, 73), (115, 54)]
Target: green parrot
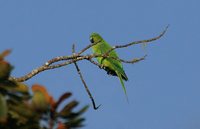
[(112, 66)]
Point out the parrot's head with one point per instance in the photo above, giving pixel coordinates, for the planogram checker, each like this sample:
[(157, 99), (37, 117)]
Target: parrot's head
[(95, 38)]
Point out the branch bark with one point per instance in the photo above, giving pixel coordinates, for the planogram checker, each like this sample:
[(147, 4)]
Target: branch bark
[(78, 57), (83, 81)]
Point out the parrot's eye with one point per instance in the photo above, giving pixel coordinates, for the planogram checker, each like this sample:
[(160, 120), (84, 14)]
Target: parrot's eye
[(91, 40)]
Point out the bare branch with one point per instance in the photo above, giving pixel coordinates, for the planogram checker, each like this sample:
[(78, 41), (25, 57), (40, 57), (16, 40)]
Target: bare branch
[(77, 57), (83, 81), (95, 63), (86, 48), (48, 67), (138, 42), (134, 60)]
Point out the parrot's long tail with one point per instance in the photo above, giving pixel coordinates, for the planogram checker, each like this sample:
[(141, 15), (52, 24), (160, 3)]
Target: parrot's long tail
[(122, 83)]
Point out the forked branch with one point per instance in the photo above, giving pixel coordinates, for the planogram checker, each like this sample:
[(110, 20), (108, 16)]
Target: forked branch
[(79, 56)]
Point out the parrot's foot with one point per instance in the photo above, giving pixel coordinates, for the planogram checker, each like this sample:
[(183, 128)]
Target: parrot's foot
[(102, 67)]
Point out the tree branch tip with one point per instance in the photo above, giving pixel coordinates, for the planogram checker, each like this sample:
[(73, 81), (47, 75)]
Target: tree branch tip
[(166, 28), (95, 108)]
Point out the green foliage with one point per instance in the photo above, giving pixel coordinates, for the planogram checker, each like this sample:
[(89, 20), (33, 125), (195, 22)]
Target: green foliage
[(21, 110)]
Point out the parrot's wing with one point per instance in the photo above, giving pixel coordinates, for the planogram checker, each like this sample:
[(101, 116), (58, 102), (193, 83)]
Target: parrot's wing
[(117, 64), (119, 68)]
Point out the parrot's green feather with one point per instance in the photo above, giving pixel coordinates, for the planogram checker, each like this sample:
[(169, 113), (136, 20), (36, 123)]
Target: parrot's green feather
[(122, 82), (121, 71), (112, 66)]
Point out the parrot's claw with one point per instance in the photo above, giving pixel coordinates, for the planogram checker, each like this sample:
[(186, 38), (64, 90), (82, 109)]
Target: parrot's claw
[(102, 67)]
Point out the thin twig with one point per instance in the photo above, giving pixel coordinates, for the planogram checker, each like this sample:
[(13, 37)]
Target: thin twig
[(86, 48), (83, 81), (138, 42), (135, 60)]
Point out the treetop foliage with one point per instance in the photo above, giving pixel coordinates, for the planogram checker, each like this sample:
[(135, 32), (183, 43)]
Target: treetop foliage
[(22, 110)]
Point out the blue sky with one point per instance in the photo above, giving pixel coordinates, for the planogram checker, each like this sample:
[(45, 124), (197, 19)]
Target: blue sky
[(163, 90)]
